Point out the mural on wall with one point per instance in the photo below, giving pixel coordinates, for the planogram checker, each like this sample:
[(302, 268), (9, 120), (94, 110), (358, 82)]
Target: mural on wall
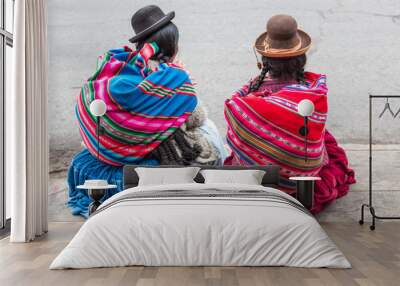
[(219, 59)]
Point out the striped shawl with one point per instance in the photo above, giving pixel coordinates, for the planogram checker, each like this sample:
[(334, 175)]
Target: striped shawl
[(144, 106), (263, 128)]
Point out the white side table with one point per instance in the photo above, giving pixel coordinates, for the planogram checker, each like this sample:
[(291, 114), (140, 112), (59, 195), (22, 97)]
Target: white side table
[(305, 190), (96, 190)]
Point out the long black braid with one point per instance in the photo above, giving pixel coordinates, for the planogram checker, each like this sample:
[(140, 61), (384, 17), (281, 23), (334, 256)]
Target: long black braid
[(161, 58), (255, 85), (176, 150), (285, 69), (189, 153)]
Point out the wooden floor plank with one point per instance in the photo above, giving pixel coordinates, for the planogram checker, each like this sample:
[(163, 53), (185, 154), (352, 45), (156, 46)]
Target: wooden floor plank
[(375, 257)]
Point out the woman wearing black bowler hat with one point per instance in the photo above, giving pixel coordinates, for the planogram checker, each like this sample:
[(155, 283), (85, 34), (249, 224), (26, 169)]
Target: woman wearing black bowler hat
[(152, 25), (152, 116)]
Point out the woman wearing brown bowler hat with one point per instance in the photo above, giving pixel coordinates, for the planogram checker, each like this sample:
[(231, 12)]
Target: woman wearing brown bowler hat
[(264, 123)]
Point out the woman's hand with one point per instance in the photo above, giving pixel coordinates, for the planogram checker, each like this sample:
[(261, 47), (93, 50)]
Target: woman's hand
[(180, 64)]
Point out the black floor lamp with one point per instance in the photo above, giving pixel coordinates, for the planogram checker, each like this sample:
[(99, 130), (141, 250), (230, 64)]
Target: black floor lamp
[(98, 108), (97, 188), (305, 185)]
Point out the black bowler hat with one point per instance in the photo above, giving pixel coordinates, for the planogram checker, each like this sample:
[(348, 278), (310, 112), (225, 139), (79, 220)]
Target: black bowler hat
[(148, 20)]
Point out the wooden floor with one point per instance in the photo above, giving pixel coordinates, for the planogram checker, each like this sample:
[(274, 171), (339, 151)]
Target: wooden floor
[(375, 257)]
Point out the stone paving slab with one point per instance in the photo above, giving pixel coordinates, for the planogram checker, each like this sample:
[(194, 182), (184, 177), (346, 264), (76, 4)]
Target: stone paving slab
[(58, 210), (348, 208), (386, 167)]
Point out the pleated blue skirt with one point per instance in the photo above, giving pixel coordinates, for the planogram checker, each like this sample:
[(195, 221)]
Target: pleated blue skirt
[(85, 166)]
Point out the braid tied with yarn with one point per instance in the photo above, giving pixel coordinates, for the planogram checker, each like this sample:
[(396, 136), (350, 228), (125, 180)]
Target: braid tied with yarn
[(176, 150), (284, 69)]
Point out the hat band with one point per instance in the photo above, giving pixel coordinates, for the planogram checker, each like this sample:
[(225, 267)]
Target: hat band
[(282, 51), (152, 25)]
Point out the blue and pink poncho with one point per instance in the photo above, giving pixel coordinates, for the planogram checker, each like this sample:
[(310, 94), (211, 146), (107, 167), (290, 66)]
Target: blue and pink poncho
[(144, 106)]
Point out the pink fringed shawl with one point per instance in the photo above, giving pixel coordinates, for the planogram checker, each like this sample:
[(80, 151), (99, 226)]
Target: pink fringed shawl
[(265, 111)]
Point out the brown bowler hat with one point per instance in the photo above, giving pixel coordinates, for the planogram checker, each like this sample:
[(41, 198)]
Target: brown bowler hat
[(282, 39)]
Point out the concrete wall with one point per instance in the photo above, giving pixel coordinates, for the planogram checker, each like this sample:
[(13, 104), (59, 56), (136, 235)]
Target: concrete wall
[(356, 43)]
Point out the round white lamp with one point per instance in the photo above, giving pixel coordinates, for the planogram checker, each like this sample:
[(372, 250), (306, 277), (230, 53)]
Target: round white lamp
[(98, 107), (305, 107)]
